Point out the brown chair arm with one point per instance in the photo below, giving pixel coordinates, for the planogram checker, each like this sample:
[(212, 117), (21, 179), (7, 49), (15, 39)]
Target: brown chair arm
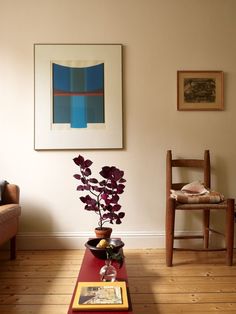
[(11, 194)]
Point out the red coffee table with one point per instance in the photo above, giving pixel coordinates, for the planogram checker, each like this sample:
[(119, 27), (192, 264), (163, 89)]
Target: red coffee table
[(89, 271)]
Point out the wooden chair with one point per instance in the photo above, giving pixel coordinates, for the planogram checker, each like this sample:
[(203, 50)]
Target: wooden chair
[(172, 205)]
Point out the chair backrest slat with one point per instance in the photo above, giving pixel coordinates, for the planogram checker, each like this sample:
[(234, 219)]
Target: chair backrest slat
[(194, 163), (204, 164), (178, 186)]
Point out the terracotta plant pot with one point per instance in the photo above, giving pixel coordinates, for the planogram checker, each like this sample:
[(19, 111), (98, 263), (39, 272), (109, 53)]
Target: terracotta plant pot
[(104, 233)]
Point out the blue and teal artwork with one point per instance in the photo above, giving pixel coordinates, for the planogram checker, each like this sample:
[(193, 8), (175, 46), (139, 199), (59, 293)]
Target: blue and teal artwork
[(78, 95)]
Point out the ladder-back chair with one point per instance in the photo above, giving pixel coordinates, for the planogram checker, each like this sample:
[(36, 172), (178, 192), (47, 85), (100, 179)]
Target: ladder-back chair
[(172, 205)]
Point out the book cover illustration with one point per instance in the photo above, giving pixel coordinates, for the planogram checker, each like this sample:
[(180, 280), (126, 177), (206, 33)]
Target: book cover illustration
[(100, 295)]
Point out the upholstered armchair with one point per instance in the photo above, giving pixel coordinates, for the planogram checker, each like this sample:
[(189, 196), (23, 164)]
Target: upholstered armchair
[(9, 216)]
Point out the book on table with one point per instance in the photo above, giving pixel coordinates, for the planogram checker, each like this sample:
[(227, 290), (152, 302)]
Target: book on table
[(95, 296)]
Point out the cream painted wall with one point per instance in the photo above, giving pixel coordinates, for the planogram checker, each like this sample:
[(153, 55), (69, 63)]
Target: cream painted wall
[(159, 37)]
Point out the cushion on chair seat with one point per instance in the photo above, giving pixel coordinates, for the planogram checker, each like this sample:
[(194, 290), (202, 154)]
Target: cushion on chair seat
[(212, 197), (8, 212), (194, 188)]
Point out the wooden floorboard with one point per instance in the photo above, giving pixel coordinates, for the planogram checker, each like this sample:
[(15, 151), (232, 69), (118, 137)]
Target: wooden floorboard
[(42, 282)]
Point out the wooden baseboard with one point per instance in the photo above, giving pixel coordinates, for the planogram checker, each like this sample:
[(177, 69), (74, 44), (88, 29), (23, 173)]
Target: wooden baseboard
[(76, 240)]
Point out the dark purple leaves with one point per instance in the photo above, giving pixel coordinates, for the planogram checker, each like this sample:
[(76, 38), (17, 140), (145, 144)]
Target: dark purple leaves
[(87, 172), (105, 193), (104, 196), (117, 174), (121, 215), (85, 199), (79, 161), (122, 180), (93, 180), (88, 163), (121, 187), (105, 172), (115, 198), (112, 185), (88, 200), (83, 180), (80, 188), (103, 183), (111, 173), (97, 189), (116, 208)]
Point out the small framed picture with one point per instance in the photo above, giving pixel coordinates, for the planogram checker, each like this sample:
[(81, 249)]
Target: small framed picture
[(200, 90), (101, 296)]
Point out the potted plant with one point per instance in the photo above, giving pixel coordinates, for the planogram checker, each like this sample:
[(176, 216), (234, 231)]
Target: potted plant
[(104, 195)]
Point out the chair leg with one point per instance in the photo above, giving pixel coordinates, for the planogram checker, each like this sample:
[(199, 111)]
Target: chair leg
[(170, 223), (13, 248), (206, 221), (229, 232)]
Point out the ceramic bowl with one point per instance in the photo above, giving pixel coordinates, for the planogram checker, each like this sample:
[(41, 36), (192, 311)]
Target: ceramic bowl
[(100, 252)]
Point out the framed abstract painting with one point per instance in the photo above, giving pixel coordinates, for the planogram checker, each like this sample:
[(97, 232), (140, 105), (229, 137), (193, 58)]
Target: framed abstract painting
[(200, 90), (78, 96)]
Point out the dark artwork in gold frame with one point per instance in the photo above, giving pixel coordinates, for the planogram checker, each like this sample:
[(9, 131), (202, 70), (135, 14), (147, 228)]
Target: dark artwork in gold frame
[(200, 90)]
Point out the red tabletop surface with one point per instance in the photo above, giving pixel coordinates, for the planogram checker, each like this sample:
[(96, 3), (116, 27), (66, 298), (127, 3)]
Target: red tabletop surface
[(89, 271)]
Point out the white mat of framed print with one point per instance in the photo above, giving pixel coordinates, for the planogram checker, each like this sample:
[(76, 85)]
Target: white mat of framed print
[(78, 96)]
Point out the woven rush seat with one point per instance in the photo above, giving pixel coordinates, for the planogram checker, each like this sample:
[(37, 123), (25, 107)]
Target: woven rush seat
[(222, 205)]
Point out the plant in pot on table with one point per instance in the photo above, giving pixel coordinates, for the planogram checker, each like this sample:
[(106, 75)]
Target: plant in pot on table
[(103, 196), (103, 199)]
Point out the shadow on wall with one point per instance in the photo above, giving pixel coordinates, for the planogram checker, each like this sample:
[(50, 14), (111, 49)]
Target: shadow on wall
[(221, 176), (36, 228), (38, 231), (35, 219)]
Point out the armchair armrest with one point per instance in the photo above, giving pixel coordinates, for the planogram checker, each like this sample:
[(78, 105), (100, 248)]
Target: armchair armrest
[(11, 194)]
